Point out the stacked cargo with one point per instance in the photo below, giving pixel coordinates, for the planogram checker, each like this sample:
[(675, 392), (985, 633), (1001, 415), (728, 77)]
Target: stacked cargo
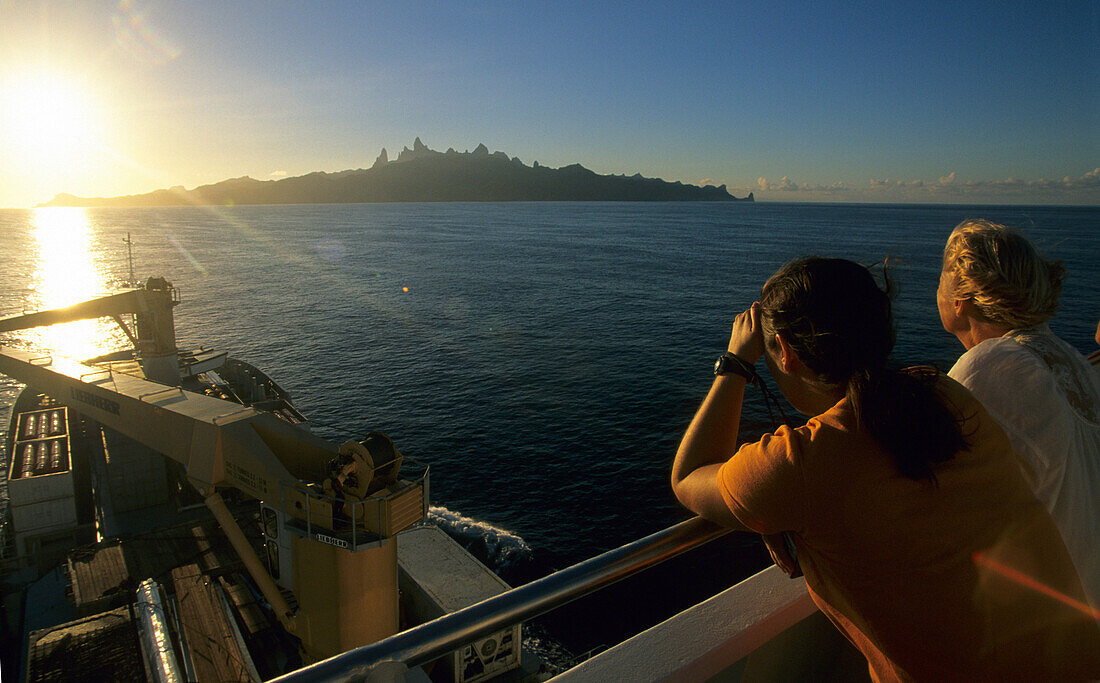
[(40, 479)]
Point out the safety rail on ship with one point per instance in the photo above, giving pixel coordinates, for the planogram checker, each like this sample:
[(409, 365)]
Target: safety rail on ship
[(434, 639), (361, 522)]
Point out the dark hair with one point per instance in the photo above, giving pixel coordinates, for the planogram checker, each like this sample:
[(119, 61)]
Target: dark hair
[(839, 321)]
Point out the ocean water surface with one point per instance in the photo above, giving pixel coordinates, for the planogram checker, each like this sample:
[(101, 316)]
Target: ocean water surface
[(542, 358)]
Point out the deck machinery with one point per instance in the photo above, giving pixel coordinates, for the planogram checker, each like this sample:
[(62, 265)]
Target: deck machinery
[(330, 513)]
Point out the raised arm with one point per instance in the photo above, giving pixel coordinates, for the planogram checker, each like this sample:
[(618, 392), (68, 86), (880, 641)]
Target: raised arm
[(711, 438)]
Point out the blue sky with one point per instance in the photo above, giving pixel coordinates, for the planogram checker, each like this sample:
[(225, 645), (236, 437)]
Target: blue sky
[(948, 102)]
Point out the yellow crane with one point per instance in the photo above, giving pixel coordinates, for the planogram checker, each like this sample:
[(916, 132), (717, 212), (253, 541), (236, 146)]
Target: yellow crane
[(330, 512)]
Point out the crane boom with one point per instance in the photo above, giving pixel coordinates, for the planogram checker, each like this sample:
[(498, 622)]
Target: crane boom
[(151, 305), (220, 442), (132, 301)]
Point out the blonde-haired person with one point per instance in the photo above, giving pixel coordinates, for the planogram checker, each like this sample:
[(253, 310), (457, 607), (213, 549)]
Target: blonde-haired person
[(996, 294)]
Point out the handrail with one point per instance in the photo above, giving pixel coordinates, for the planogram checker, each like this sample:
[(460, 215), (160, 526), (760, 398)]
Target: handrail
[(233, 413), (426, 642), (165, 390), (358, 507), (109, 372)]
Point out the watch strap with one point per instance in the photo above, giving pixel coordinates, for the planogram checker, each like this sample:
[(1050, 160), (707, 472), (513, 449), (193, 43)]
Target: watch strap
[(732, 364)]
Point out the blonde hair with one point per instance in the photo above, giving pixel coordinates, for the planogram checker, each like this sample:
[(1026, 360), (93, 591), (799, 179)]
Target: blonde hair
[(1002, 273)]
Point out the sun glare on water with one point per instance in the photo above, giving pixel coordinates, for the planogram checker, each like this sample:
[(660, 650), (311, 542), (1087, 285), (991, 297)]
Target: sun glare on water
[(65, 274)]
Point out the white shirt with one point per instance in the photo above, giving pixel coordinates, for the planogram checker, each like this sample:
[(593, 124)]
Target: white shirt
[(1046, 397)]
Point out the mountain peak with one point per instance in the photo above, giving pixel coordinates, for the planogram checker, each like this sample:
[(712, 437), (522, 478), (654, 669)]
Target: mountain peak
[(419, 151)]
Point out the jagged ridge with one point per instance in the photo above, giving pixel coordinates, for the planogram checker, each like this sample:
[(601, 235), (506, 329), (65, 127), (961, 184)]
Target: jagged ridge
[(421, 174)]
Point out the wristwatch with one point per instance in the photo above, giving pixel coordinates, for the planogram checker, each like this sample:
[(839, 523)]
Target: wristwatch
[(731, 364)]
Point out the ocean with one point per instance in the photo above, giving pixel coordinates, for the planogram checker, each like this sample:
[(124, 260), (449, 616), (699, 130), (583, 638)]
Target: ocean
[(542, 358)]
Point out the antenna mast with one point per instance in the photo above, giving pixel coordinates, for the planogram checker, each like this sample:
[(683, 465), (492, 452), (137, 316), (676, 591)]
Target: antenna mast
[(130, 258)]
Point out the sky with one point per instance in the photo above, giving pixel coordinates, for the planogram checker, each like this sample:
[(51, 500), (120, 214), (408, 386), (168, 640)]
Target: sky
[(953, 102)]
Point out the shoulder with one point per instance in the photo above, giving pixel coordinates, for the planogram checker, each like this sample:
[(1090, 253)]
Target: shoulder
[(997, 369), (1019, 391), (763, 484), (802, 445), (991, 358), (760, 460), (782, 458)]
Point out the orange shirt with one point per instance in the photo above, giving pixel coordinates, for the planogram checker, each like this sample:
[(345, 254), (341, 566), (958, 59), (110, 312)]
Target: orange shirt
[(903, 567)]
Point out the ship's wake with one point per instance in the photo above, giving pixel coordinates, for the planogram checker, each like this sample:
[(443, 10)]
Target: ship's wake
[(511, 558), (498, 549)]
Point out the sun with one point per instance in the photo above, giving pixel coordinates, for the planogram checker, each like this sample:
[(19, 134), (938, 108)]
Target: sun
[(48, 121)]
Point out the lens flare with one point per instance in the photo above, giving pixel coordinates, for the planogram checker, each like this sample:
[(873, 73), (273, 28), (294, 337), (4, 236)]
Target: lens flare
[(137, 35), (187, 255), (1024, 580)]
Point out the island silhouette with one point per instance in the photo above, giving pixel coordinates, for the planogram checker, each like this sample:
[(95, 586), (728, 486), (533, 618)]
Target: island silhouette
[(421, 174)]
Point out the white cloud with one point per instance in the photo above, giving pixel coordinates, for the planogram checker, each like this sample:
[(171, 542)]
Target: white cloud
[(1010, 186), (785, 184), (1084, 189), (277, 174)]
